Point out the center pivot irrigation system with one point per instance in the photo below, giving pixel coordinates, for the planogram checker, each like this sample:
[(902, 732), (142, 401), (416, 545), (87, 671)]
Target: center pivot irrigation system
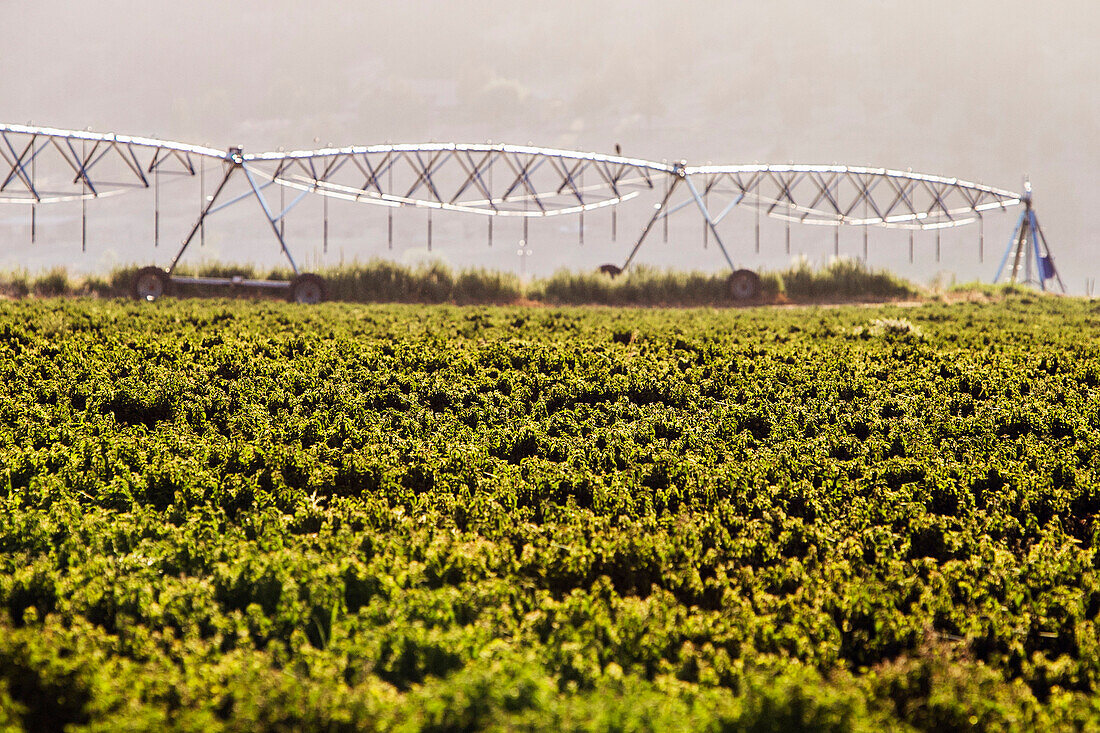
[(47, 166)]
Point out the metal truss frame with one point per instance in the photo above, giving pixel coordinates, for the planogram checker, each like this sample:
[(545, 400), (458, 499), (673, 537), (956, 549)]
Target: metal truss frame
[(497, 180), (559, 188), (21, 146)]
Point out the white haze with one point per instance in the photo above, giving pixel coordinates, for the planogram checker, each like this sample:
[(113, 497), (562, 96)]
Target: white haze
[(987, 90)]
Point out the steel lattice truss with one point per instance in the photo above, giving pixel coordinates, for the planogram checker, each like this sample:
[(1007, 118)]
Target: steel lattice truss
[(499, 180), (833, 195), (40, 165)]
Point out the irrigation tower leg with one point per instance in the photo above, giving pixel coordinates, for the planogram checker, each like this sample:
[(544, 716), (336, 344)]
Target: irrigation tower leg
[(661, 212), (1013, 246), (271, 219), (710, 221), (1034, 242), (1021, 243), (1040, 237), (202, 218), (1029, 243)]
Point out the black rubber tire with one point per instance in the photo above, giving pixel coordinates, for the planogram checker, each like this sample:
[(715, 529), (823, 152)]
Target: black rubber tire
[(308, 289), (611, 270), (744, 285), (150, 283)]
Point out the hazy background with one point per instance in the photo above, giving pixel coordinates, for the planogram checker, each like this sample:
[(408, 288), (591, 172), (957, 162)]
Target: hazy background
[(987, 90)]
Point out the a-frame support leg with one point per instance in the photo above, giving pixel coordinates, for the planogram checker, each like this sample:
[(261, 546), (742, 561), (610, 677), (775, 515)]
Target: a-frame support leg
[(1042, 238), (1013, 248), (1028, 241), (661, 212), (202, 217), (271, 218), (711, 224)]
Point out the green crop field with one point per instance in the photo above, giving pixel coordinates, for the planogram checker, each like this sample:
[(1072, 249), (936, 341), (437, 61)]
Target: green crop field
[(261, 516)]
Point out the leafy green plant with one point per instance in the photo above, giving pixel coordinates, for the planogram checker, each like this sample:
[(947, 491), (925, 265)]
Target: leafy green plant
[(254, 515)]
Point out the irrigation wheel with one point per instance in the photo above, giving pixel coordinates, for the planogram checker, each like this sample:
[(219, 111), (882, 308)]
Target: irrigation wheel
[(150, 283), (308, 289), (744, 285)]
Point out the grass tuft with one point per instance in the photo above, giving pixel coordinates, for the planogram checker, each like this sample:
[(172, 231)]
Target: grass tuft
[(845, 279), (53, 283)]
